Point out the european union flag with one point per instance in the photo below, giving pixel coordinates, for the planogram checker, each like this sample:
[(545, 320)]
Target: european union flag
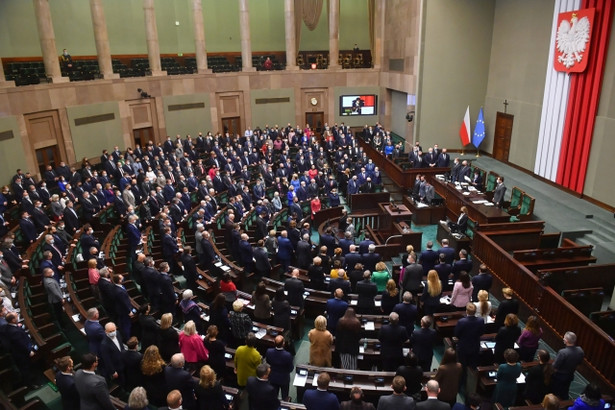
[(479, 129)]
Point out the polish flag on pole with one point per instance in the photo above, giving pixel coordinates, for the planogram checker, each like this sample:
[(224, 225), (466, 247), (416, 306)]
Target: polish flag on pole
[(464, 131)]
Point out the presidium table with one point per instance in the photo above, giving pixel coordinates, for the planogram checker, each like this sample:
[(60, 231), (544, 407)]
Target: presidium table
[(480, 209)]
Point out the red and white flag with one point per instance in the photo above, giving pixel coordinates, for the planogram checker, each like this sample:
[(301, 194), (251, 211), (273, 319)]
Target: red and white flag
[(464, 131)]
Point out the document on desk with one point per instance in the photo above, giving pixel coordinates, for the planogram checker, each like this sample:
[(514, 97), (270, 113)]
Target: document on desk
[(261, 333), (480, 201), (300, 380), (521, 378), (445, 300), (377, 303), (488, 204), (354, 302), (315, 380), (370, 326), (421, 205)]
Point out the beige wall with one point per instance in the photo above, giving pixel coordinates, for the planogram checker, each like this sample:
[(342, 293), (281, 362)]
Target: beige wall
[(456, 41), (188, 120), (598, 182), (517, 73), (272, 113), (12, 154), (90, 139)]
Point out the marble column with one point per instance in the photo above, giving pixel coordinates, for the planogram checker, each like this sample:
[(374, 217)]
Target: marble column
[(151, 36), (199, 37), (102, 40), (47, 39), (3, 82), (289, 26), (246, 40), (334, 33), (378, 34)]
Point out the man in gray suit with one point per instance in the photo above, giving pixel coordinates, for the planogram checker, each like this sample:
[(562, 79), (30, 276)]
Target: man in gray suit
[(432, 402), (500, 190), (92, 388), (398, 400)]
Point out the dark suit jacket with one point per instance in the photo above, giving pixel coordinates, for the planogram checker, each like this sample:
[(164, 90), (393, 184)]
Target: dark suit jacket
[(68, 390), (481, 282), (432, 404), (28, 229), (132, 367), (169, 246), (261, 394), (369, 261), (71, 221), (351, 259), (449, 254), (498, 194), (88, 241), (342, 284), (295, 289), (321, 400), (392, 339), (407, 315), (335, 310), (329, 242), (134, 236), (281, 363), (95, 334), (469, 330), (181, 380), (422, 342), (93, 391), (111, 358), (461, 265), (303, 254), (428, 259), (367, 290)]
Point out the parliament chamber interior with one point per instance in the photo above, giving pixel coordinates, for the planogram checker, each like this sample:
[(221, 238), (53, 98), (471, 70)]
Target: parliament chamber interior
[(279, 204)]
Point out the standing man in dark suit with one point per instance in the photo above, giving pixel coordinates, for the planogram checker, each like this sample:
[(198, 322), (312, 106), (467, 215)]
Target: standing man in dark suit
[(463, 264), (92, 388), (352, 257), (179, 379), (482, 281), (94, 331), (168, 298), (262, 395), (321, 398), (189, 265), (367, 291), (304, 252), (295, 288), (246, 253), (20, 347), (71, 219), (123, 306), (281, 362), (285, 250), (169, 248), (498, 194), (336, 307), (65, 381), (134, 238), (54, 295), (407, 312), (132, 364), (262, 265), (468, 332), (327, 239), (422, 341), (449, 253), (392, 336), (370, 258), (432, 402), (27, 227), (111, 350), (428, 258)]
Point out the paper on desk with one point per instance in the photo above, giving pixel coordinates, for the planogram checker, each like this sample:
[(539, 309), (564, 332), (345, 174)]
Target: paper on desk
[(488, 204), (490, 319), (446, 300), (480, 201), (466, 193), (75, 317), (361, 349), (300, 380), (487, 345), (421, 205), (377, 303), (315, 380), (354, 302), (370, 326), (261, 333), (521, 378), (405, 350), (244, 301)]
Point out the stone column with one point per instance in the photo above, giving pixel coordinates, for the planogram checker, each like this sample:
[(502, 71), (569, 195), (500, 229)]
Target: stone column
[(378, 34), (102, 39), (47, 40), (246, 41), (199, 37), (151, 35), (3, 82), (334, 33), (289, 25)]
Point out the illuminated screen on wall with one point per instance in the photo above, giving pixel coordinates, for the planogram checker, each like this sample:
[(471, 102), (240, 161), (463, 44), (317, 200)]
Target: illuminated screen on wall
[(358, 104)]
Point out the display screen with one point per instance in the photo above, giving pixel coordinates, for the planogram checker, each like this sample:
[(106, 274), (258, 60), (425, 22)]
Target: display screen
[(359, 104)]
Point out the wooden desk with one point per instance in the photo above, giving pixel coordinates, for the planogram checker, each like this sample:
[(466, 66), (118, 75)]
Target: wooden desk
[(455, 199), (425, 215), (389, 214)]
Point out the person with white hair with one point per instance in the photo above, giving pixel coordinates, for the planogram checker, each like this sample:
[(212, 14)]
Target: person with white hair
[(191, 309), (179, 379), (565, 364)]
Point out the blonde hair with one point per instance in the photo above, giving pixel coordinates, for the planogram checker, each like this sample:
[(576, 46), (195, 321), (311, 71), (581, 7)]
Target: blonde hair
[(152, 362), (92, 263), (207, 377), (320, 323), (190, 328), (434, 286), (381, 266), (166, 321), (483, 299), (392, 288)]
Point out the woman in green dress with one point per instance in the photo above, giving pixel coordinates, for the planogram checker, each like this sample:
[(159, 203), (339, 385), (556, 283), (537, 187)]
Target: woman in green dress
[(506, 387), (381, 276)]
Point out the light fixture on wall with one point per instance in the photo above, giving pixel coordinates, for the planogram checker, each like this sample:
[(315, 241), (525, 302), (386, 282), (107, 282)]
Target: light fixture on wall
[(143, 93), (410, 116)]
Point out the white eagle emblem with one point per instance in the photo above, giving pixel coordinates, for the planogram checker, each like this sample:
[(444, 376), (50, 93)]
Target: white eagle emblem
[(571, 40)]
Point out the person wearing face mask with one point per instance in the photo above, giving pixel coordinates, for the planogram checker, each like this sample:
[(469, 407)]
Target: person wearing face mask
[(54, 295), (62, 233), (6, 275), (66, 61), (88, 241), (123, 306), (111, 348)]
